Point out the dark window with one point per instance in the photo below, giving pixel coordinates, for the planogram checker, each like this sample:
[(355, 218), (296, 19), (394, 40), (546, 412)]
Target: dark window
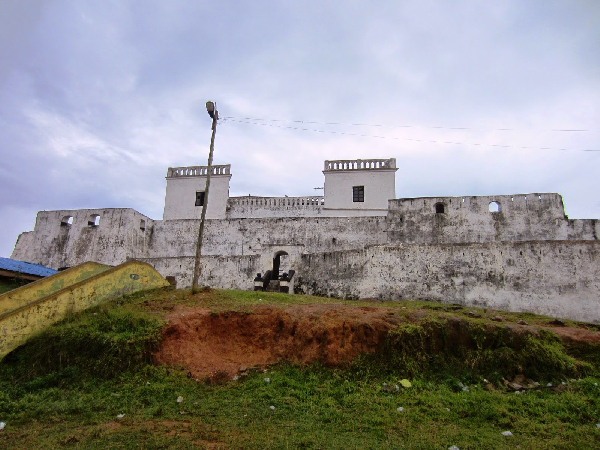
[(358, 193), (199, 198), (439, 208)]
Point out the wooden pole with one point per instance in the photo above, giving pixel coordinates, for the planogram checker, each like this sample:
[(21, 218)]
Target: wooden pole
[(195, 287)]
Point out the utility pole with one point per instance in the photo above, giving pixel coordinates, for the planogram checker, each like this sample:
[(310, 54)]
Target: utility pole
[(211, 108)]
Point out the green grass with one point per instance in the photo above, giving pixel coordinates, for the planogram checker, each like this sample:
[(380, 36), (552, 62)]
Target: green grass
[(66, 387), (314, 408)]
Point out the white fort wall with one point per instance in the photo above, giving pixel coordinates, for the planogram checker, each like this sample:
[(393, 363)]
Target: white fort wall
[(521, 217), (525, 255), (251, 236), (555, 278), (66, 238), (119, 234), (269, 207), (224, 272)]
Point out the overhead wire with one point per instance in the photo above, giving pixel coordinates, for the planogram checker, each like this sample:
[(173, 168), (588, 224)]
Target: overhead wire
[(312, 122), (252, 121)]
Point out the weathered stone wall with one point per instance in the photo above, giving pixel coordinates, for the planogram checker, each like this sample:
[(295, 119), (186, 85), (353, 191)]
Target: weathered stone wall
[(118, 237), (521, 217), (526, 257), (556, 278), (253, 236), (224, 272), (121, 234)]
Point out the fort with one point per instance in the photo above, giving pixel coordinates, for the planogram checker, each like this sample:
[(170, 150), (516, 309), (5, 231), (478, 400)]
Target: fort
[(510, 252)]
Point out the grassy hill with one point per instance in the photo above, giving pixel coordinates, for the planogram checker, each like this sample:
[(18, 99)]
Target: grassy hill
[(92, 380)]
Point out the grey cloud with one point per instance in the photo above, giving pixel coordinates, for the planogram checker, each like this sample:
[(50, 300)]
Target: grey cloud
[(98, 98)]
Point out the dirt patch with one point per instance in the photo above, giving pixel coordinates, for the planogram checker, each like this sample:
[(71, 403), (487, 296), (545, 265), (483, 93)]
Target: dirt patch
[(207, 343), (573, 335), (112, 425), (219, 344)]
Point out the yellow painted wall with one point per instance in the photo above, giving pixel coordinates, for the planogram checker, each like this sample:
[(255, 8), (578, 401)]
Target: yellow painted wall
[(18, 324), (46, 286)]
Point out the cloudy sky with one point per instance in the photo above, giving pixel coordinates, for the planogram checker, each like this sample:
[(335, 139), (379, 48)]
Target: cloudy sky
[(98, 98)]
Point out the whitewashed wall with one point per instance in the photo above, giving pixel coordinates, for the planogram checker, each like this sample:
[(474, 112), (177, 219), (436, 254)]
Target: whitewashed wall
[(119, 236), (538, 216), (555, 278), (182, 185), (379, 181)]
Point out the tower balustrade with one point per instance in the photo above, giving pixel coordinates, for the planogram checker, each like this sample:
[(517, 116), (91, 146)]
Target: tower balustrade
[(360, 164)]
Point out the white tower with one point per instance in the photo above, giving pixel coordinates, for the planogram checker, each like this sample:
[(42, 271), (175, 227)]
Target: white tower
[(185, 192), (360, 184)]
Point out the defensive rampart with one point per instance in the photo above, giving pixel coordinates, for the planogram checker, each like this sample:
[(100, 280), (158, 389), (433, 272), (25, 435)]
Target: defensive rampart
[(67, 238), (522, 217), (253, 236), (555, 278), (450, 249)]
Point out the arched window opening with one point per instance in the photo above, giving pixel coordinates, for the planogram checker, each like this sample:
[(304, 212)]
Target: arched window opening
[(494, 207), (94, 220), (440, 208), (142, 225), (66, 221), (281, 264)]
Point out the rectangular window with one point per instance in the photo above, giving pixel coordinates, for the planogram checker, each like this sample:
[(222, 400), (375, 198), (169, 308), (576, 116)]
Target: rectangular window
[(199, 198), (358, 193)]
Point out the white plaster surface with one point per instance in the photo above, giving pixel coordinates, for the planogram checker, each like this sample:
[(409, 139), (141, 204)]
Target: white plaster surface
[(180, 197), (379, 185), (526, 257), (117, 237), (554, 278), (538, 216)]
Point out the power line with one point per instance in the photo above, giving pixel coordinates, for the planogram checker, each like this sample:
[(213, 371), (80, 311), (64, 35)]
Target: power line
[(247, 121), (311, 122)]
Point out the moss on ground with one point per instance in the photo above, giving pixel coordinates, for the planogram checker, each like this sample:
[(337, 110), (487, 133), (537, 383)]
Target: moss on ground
[(67, 386)]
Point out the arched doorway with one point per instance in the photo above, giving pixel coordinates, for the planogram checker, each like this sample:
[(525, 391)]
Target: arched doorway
[(281, 264)]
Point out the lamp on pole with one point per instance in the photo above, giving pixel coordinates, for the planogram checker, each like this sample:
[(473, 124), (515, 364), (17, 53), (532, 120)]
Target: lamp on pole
[(211, 108)]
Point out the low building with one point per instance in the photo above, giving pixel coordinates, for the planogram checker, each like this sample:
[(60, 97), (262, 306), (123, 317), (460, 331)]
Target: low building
[(14, 274)]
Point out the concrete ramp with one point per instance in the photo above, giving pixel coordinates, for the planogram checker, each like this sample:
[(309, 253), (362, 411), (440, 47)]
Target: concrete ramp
[(48, 285), (27, 312)]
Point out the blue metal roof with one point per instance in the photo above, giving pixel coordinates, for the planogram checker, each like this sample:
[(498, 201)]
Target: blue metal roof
[(25, 267)]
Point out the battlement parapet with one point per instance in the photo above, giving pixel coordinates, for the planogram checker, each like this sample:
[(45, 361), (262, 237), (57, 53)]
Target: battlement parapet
[(276, 202), (272, 207), (198, 171), (360, 164), (550, 203)]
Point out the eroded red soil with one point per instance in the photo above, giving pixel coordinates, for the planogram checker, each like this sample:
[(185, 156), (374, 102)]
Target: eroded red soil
[(210, 343)]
